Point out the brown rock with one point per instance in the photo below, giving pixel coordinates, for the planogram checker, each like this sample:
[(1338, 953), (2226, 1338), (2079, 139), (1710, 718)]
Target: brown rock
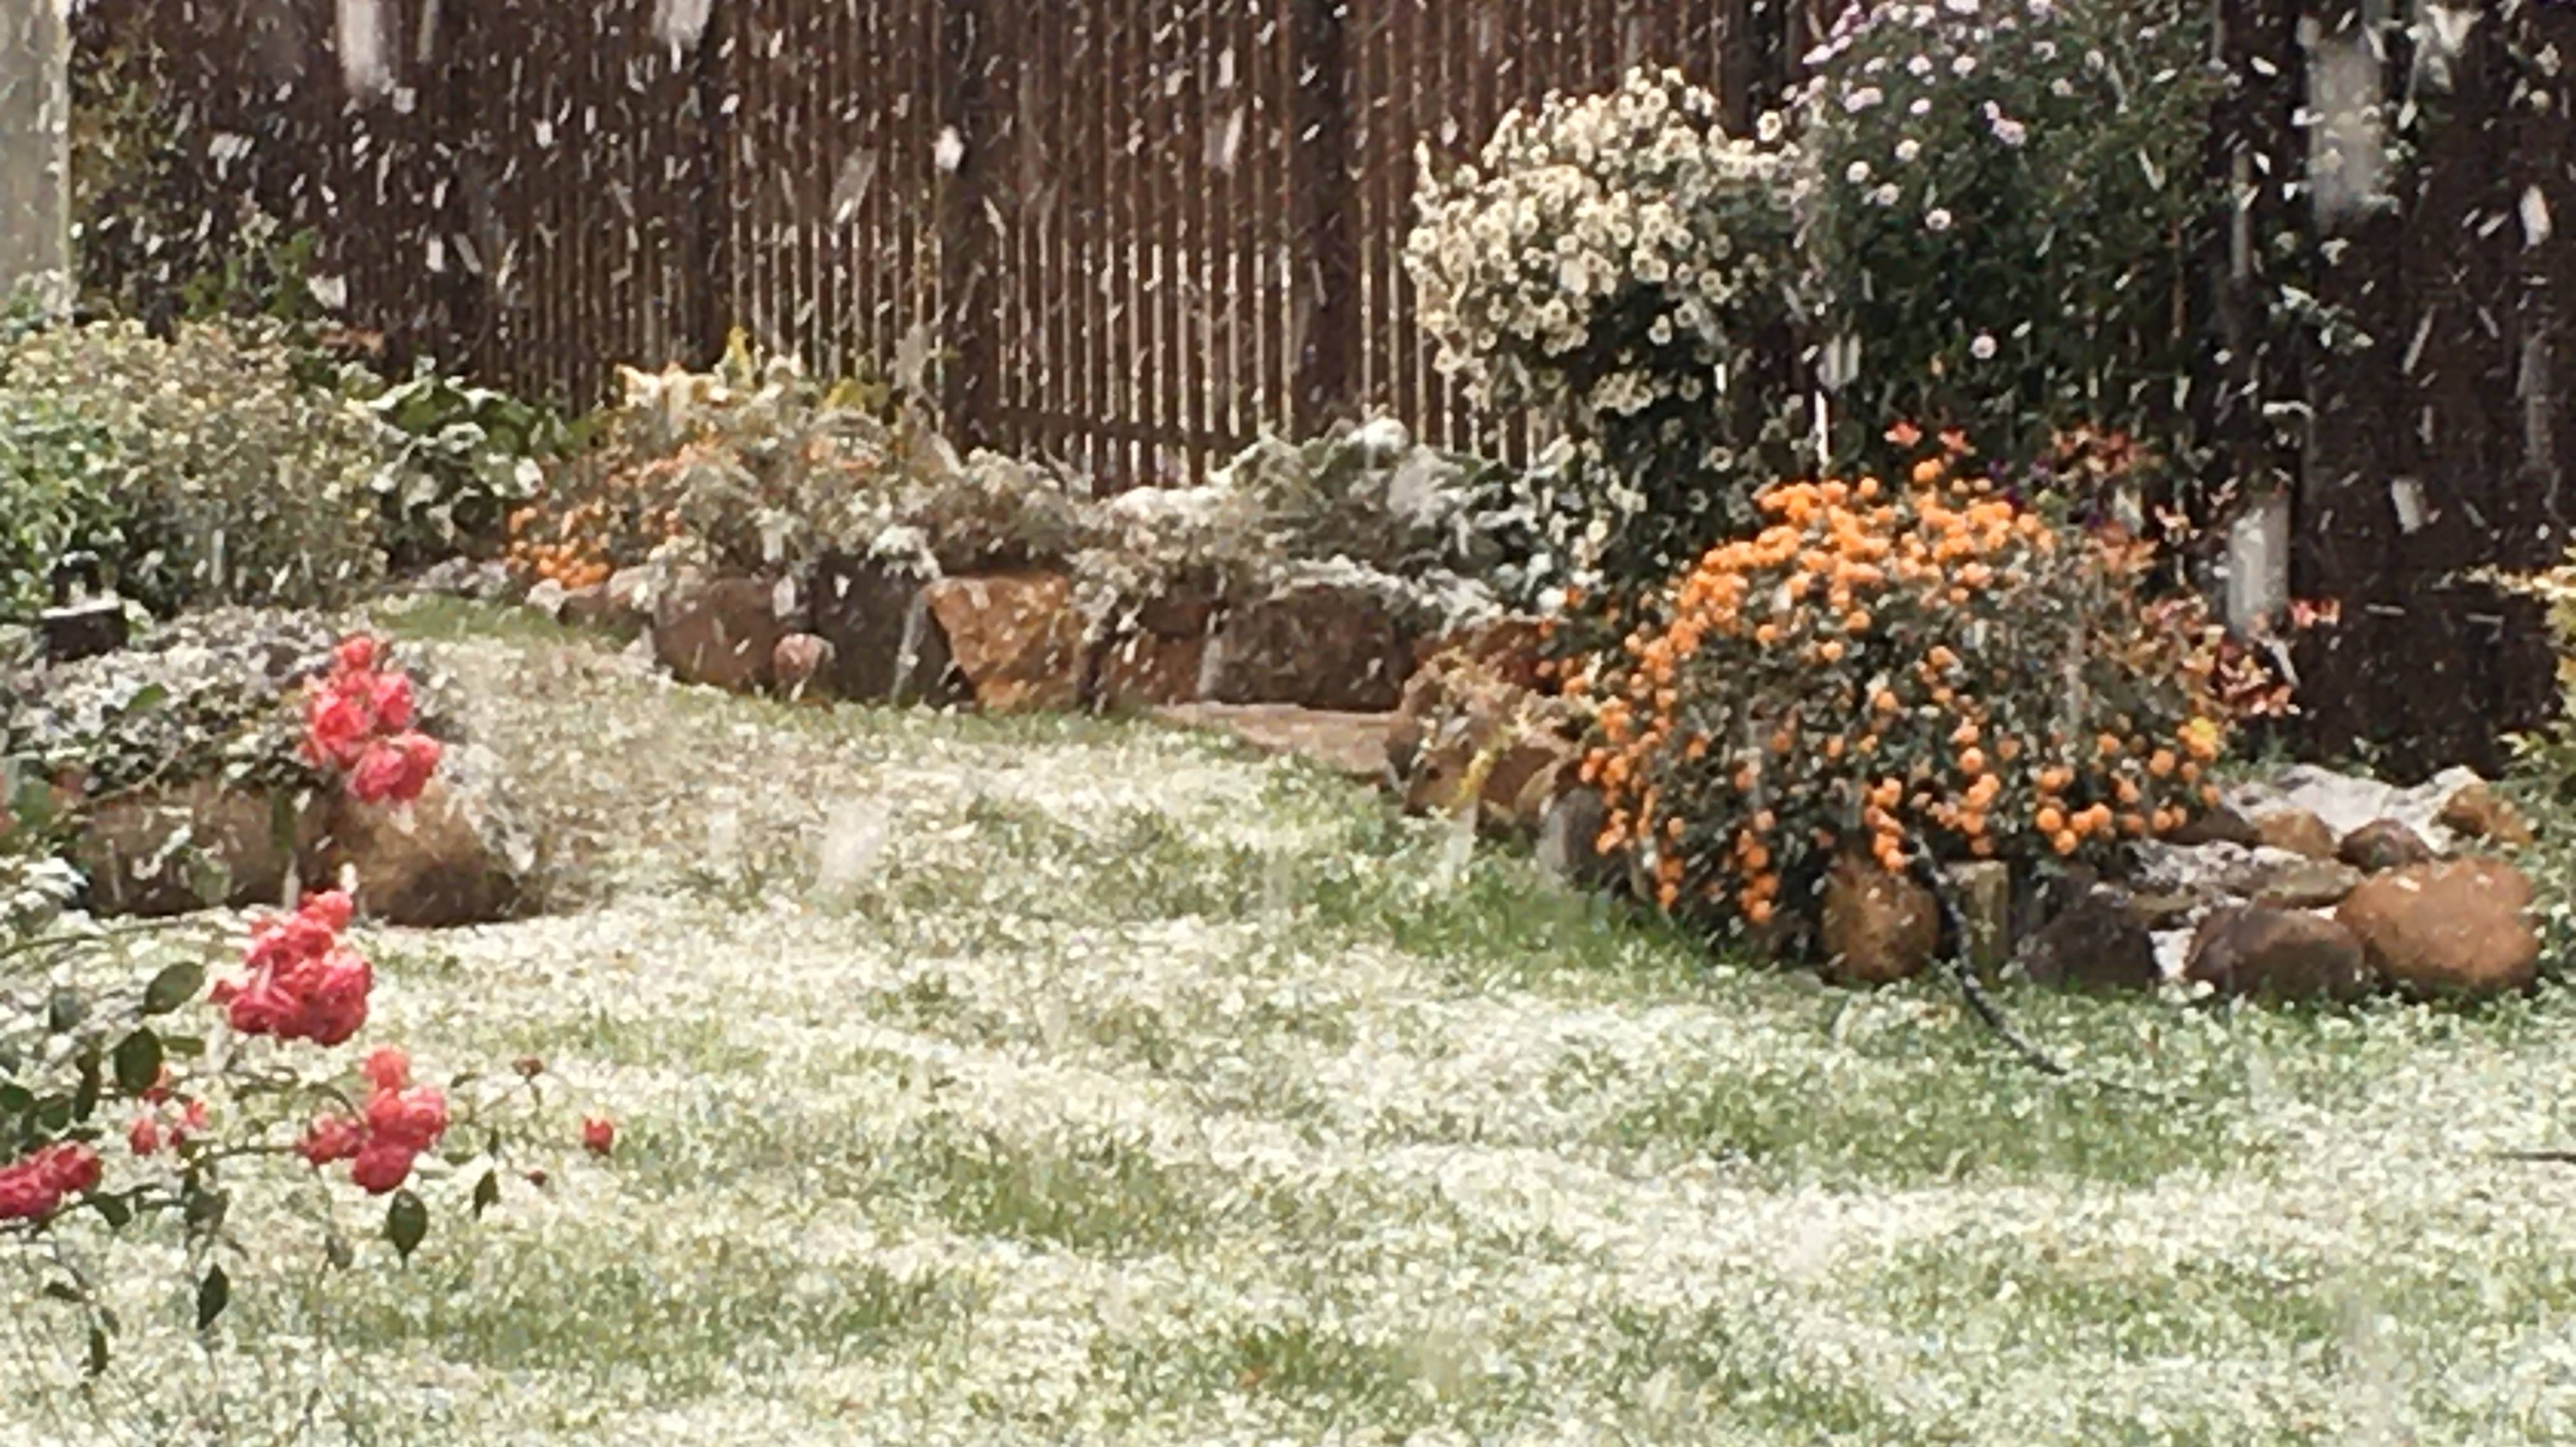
[(1523, 777), (1322, 645), (1016, 638), (2300, 883), (1878, 927), (1350, 744), (2220, 825), (1142, 669), (431, 864), (885, 645), (2383, 844), (2477, 811), (191, 846), (723, 633), (2284, 954), (1509, 648), (2447, 927), (2163, 909), (2296, 831), (802, 664), (2094, 944)]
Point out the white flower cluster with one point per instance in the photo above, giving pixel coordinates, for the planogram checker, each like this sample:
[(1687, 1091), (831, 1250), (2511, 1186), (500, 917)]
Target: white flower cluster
[(1605, 251), (1914, 91)]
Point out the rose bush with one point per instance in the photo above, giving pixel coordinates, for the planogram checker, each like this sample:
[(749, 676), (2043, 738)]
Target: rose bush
[(1920, 667), (139, 1101)]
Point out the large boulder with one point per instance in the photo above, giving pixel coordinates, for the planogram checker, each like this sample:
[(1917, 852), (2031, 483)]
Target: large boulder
[(2448, 927), (2284, 954), (723, 632), (1313, 642), (1877, 927), (1152, 656), (2094, 943), (1473, 731), (177, 848), (1015, 638), (886, 647), (445, 859)]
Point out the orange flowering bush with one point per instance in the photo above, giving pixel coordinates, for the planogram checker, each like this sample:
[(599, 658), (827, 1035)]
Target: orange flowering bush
[(1896, 668)]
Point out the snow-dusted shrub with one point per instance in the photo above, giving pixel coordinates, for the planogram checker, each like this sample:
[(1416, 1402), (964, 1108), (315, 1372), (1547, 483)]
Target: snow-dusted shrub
[(1618, 262), (2000, 200)]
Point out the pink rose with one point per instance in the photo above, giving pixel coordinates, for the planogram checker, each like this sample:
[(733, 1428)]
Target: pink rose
[(335, 729), (383, 1166), (380, 774), (414, 1119), (279, 942), (598, 1134), (25, 1194), (332, 1138), (356, 653), (387, 1068), (72, 1169), (144, 1136), (389, 697), (331, 908)]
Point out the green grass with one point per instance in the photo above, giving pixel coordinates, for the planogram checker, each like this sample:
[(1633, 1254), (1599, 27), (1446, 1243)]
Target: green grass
[(1143, 1092)]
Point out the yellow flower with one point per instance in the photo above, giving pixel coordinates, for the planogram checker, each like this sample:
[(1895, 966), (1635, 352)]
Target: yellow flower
[(2201, 737)]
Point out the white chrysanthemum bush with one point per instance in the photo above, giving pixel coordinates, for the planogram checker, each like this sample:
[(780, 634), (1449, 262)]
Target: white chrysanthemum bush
[(2001, 202), (1970, 214), (1620, 263)]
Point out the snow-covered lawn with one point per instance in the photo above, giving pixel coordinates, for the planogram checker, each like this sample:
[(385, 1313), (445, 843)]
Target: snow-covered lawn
[(1067, 1081)]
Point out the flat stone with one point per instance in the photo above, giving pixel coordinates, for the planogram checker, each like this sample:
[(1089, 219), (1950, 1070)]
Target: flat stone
[(1347, 743)]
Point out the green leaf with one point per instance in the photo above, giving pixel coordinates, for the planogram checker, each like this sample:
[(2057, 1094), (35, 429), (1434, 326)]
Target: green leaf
[(16, 1100), (487, 1193), (65, 1011), (406, 1223), (63, 1291), (213, 1294), (85, 1099), (116, 1209), (138, 1062), (335, 1249), (173, 987), (97, 1351)]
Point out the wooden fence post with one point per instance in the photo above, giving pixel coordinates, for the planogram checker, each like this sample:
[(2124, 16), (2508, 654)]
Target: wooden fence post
[(1324, 205), (710, 318), (35, 154), (979, 110)]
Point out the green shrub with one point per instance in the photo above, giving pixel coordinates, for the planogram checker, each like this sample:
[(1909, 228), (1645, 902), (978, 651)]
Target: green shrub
[(2000, 201), (458, 459), (1619, 264), (201, 466)]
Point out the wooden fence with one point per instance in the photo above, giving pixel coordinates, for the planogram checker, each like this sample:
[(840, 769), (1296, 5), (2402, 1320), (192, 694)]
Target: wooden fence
[(1131, 234)]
